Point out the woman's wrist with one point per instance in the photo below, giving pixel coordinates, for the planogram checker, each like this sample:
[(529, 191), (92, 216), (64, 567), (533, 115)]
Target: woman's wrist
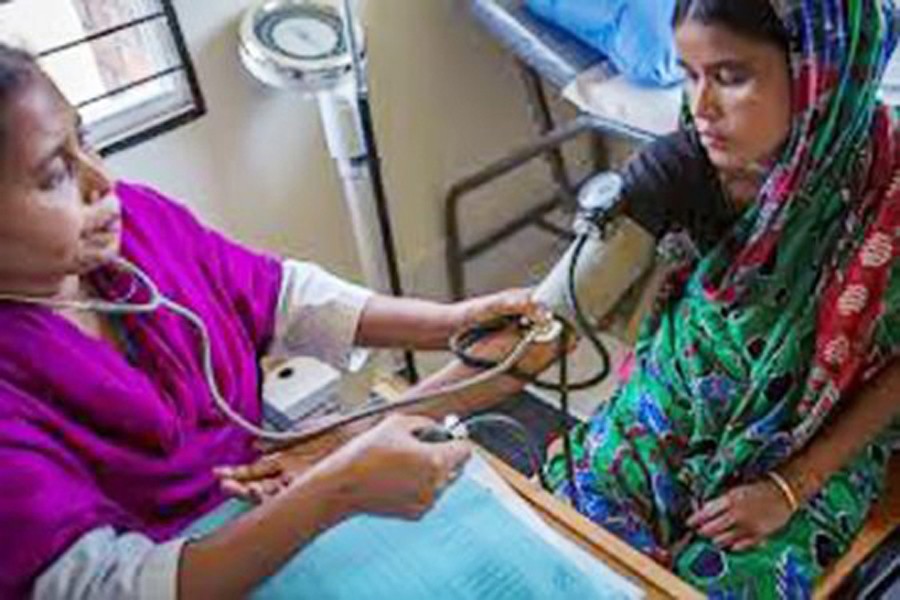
[(330, 484), (449, 319), (785, 489), (231, 561), (803, 479), (443, 321)]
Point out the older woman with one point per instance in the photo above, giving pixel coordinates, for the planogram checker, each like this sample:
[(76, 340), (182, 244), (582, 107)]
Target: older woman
[(108, 431)]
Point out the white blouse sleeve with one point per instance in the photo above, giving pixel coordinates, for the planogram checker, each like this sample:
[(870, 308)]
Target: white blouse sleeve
[(318, 315), (103, 565)]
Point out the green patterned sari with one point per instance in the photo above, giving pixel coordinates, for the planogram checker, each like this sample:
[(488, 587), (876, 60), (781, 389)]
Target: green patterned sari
[(755, 345)]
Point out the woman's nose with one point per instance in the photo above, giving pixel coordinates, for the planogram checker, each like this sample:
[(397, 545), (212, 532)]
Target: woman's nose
[(95, 182), (704, 105)]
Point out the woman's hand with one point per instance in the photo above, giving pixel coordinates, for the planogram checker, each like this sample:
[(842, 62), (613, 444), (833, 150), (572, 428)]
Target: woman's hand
[(743, 517), (388, 471), (274, 473), (389, 322), (282, 463), (385, 471), (484, 308)]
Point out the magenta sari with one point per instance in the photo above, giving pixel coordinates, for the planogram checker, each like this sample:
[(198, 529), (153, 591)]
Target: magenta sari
[(90, 437)]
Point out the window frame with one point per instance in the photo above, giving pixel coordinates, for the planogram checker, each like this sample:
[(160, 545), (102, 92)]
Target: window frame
[(148, 128)]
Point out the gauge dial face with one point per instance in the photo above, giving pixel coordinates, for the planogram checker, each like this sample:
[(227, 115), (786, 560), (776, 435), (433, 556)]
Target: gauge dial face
[(301, 32)]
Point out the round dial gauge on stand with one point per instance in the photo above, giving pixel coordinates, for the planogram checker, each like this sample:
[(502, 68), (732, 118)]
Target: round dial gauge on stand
[(296, 44)]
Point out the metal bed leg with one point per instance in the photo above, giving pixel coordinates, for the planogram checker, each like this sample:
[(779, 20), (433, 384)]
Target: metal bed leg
[(600, 153), (456, 254), (542, 115)]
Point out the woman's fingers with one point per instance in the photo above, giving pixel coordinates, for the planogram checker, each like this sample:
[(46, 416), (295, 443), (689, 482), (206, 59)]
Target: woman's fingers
[(500, 304), (255, 492), (265, 468), (261, 491), (449, 459), (743, 517), (709, 511), (728, 538), (455, 455), (256, 482), (236, 490), (718, 525)]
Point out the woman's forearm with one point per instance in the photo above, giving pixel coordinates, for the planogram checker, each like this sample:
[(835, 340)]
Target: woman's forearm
[(389, 322), (235, 559), (867, 415), (464, 402), (489, 393)]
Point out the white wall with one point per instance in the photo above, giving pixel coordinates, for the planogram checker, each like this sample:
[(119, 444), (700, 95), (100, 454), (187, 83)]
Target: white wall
[(445, 96)]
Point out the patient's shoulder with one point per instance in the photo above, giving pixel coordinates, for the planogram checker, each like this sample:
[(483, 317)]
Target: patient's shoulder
[(667, 167), (670, 182), (673, 156)]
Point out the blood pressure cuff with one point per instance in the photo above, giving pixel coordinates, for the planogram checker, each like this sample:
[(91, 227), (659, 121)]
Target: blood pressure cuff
[(670, 184)]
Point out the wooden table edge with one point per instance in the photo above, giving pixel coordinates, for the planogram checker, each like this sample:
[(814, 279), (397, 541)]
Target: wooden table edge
[(625, 559)]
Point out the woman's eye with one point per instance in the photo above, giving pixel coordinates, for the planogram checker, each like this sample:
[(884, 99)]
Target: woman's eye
[(83, 142), (691, 81), (58, 175), (52, 181), (731, 76)]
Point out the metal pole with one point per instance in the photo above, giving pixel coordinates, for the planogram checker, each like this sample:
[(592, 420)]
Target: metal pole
[(373, 160)]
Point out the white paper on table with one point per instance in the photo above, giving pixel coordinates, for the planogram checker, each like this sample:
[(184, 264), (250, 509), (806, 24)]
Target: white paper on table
[(651, 109)]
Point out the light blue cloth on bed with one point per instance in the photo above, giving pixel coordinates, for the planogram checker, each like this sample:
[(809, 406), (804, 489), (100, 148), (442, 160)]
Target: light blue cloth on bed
[(636, 35)]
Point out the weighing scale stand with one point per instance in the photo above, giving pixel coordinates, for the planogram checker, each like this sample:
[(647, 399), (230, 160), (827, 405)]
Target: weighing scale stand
[(343, 134), (312, 46), (346, 139)]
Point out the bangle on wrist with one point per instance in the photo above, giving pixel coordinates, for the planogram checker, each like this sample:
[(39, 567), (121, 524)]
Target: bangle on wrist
[(785, 488)]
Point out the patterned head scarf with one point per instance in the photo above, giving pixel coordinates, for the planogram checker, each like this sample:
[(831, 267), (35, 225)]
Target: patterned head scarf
[(800, 304)]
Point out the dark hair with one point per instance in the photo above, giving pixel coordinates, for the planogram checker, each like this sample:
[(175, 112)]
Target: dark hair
[(18, 70), (754, 18)]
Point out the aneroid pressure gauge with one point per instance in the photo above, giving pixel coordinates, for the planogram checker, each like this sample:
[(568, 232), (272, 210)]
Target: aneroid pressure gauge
[(297, 44)]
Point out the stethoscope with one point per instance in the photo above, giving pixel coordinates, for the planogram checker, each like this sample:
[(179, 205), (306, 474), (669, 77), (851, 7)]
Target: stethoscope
[(156, 301), (543, 329)]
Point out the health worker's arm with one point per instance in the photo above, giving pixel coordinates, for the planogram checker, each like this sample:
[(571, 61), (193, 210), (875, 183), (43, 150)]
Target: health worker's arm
[(323, 316), (389, 322), (385, 471)]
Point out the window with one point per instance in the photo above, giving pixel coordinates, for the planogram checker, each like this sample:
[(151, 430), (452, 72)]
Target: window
[(122, 63)]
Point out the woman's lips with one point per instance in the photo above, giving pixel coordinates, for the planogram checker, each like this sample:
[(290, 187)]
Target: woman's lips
[(112, 224), (108, 225), (714, 141), (105, 231)]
